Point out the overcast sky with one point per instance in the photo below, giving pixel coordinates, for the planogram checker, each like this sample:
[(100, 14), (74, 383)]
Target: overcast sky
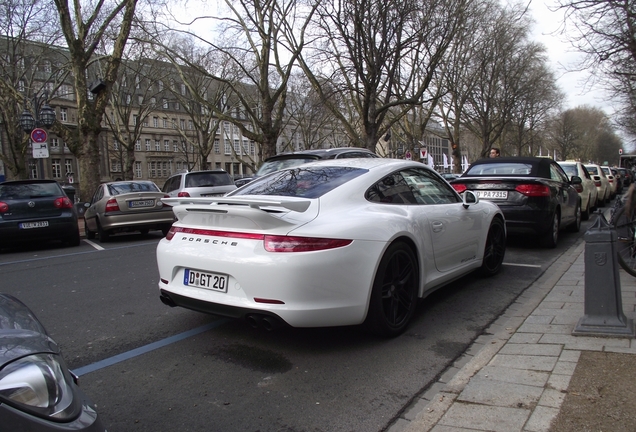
[(562, 55)]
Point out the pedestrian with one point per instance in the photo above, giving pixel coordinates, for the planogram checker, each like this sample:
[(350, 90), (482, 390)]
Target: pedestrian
[(494, 152)]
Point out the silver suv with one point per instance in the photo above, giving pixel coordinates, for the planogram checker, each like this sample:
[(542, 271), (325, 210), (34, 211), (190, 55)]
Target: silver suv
[(199, 184)]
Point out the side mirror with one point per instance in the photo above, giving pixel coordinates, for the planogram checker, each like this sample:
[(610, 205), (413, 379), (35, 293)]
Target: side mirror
[(576, 180), (469, 198)]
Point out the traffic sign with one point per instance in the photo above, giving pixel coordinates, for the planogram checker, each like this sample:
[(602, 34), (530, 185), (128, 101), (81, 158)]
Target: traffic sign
[(408, 155), (39, 135)]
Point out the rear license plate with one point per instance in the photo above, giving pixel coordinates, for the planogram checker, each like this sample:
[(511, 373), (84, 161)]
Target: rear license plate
[(28, 225), (211, 281), (494, 195), (141, 203)]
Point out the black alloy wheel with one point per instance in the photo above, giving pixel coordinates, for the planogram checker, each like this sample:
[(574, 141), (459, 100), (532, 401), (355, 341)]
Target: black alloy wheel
[(394, 294), (551, 237), (576, 225), (495, 248)]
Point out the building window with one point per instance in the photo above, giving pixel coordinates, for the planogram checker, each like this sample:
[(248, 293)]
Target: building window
[(165, 103), (138, 145), (182, 124), (217, 146), (63, 114), (177, 106), (55, 143), (237, 147), (138, 173), (183, 89), (56, 168), (155, 121), (115, 143), (228, 147), (252, 148), (152, 172), (147, 145), (157, 145), (166, 145), (68, 166), (165, 122), (175, 146), (140, 100), (33, 168), (135, 119), (115, 165), (190, 125)]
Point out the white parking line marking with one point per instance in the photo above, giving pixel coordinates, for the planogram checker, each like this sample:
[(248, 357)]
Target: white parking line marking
[(95, 245), (522, 265)]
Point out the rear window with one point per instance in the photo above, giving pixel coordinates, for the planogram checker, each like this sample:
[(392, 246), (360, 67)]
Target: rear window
[(498, 169), (29, 190), (311, 182), (123, 188), (570, 170), (208, 179), (592, 170), (275, 165)]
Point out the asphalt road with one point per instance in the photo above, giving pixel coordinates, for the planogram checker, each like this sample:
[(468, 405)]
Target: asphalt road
[(154, 368)]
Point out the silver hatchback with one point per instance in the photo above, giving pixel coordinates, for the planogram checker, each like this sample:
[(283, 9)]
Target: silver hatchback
[(199, 184)]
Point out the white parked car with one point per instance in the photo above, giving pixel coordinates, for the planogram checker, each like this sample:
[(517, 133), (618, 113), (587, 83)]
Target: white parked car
[(587, 189), (612, 179), (602, 184), (330, 243)]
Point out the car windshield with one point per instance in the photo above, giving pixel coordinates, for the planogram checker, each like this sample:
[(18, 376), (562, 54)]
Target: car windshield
[(208, 179), (123, 188), (29, 190), (498, 169), (279, 164), (310, 182)]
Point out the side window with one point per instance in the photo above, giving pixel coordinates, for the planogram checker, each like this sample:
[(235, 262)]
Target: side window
[(392, 189), (557, 174), (429, 188), (99, 193), (586, 172)]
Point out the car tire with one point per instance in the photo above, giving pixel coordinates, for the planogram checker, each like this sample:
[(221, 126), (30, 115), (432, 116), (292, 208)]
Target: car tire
[(495, 248), (576, 225), (551, 237), (102, 234), (394, 293), (89, 234), (585, 215)]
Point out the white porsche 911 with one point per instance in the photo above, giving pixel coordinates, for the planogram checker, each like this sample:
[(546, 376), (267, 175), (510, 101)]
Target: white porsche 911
[(330, 243)]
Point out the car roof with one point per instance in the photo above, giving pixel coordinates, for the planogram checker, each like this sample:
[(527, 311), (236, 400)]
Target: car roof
[(540, 165), (329, 153)]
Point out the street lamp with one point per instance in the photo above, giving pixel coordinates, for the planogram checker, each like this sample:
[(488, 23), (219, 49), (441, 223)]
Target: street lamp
[(44, 117)]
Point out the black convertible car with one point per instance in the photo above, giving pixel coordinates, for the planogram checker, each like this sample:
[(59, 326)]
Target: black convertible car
[(534, 194)]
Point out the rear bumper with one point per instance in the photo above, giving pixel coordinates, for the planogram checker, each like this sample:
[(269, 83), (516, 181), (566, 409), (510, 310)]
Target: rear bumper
[(151, 220), (60, 228), (525, 220)]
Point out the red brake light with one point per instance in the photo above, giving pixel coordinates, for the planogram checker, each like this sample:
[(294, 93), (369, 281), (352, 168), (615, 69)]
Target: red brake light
[(271, 243), (4, 207), (63, 202), (597, 183), (459, 187), (111, 205), (183, 194), (302, 244), (533, 190)]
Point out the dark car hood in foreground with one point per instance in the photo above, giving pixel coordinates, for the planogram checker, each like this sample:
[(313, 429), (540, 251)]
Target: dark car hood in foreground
[(21, 333)]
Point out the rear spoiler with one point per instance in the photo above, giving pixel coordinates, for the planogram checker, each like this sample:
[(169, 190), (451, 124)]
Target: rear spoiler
[(294, 204)]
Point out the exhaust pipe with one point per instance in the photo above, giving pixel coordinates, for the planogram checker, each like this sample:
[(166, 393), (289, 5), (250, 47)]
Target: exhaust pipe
[(167, 301), (254, 320), (270, 323)]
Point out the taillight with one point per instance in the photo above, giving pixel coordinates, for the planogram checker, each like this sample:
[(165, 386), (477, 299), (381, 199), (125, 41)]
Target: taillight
[(459, 187), (164, 204), (533, 190), (63, 202), (183, 194), (271, 243), (597, 183), (4, 207), (302, 244), (111, 205), (578, 188)]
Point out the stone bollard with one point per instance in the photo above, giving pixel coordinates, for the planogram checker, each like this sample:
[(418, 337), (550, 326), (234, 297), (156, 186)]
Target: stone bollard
[(603, 303)]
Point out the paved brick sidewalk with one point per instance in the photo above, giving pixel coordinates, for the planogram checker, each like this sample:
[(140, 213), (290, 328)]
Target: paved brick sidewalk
[(515, 379)]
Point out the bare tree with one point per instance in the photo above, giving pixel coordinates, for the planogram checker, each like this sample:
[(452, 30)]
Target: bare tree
[(605, 33), (86, 27), (30, 63), (380, 57)]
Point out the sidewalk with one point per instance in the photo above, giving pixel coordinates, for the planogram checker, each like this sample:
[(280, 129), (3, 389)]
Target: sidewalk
[(517, 377)]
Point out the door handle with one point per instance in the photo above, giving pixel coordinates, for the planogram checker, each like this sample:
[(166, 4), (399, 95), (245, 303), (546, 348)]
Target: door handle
[(437, 226)]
